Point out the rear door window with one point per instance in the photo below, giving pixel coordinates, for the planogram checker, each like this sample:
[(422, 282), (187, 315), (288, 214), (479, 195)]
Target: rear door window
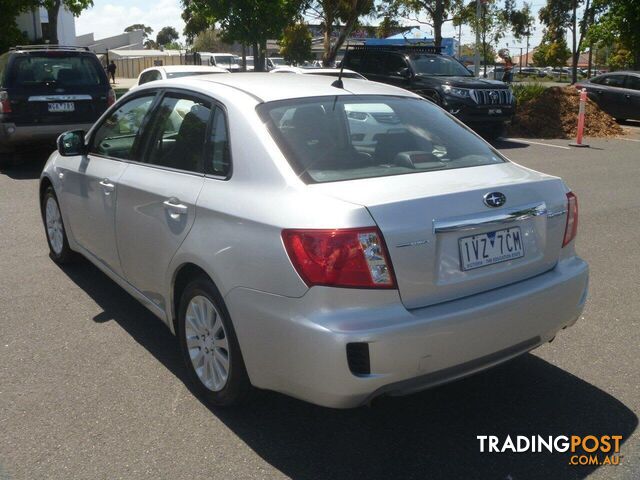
[(56, 69), (632, 82), (178, 133), (150, 76), (120, 132)]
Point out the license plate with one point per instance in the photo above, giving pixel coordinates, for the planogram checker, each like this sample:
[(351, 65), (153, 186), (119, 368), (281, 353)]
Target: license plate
[(489, 248), (62, 107), (495, 111)]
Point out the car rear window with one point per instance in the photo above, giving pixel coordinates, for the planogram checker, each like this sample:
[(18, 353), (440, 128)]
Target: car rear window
[(56, 70), (327, 139)]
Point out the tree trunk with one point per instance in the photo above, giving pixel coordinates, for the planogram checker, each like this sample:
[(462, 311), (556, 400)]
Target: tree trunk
[(53, 22), (258, 66), (575, 53), (438, 20), (590, 60), (326, 44)]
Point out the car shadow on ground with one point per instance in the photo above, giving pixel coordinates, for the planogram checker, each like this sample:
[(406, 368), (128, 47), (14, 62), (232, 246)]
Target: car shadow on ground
[(432, 434), (506, 144), (28, 167)]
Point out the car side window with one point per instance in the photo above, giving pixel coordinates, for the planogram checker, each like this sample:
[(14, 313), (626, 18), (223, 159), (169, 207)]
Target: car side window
[(178, 133), (218, 161), (374, 63), (395, 63), (632, 82), (150, 76), (613, 81), (118, 134)]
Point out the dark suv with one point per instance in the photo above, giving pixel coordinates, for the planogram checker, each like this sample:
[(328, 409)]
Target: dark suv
[(46, 90), (484, 105)]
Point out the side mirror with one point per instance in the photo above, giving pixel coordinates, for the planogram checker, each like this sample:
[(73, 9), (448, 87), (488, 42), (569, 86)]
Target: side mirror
[(404, 72), (72, 143)]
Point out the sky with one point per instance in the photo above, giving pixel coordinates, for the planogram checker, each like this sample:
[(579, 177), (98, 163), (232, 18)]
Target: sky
[(110, 17)]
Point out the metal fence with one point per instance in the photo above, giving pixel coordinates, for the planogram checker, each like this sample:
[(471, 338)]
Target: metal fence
[(130, 67)]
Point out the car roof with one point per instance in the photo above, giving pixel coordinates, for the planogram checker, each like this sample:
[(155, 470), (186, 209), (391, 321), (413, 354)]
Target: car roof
[(189, 68), (308, 70), (265, 87)]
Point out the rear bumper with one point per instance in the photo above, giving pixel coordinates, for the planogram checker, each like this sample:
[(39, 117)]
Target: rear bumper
[(298, 345), (12, 135)]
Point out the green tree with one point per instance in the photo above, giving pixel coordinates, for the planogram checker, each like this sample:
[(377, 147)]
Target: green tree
[(250, 22), (295, 44), (560, 16), (166, 36), (146, 32), (552, 54), (10, 34), (617, 22), (209, 41), (387, 27), (438, 11), (332, 13)]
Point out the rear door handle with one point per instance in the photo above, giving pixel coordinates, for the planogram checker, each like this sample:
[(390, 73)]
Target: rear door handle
[(107, 186), (627, 96), (174, 206)]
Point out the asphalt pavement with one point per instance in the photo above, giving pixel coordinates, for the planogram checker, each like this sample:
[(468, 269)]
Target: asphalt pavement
[(92, 384)]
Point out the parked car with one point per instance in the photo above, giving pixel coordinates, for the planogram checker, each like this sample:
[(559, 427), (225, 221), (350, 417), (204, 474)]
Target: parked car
[(616, 93), (275, 62), (286, 256), (329, 72), (249, 67), (176, 71), (45, 90), (485, 105), (227, 61)]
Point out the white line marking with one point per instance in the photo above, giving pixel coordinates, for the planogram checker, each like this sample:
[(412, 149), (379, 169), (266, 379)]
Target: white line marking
[(535, 143), (629, 139)]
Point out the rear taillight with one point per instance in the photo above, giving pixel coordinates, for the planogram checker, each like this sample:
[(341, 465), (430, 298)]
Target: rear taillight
[(5, 104), (572, 218), (354, 257), (111, 97)]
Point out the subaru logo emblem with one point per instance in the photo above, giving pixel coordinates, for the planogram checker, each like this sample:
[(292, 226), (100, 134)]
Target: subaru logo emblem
[(495, 199)]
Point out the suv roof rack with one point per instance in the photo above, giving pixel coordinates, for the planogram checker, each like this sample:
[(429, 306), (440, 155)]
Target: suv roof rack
[(400, 48), (49, 47)]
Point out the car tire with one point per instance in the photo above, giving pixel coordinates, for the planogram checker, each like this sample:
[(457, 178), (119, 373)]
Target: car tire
[(54, 229), (209, 346)]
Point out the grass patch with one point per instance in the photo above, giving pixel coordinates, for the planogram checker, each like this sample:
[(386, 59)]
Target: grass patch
[(120, 92), (525, 92)]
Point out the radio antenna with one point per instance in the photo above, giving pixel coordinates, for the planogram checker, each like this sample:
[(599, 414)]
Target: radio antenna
[(338, 83)]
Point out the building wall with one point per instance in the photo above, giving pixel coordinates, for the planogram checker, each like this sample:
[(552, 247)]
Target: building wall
[(124, 41), (31, 24)]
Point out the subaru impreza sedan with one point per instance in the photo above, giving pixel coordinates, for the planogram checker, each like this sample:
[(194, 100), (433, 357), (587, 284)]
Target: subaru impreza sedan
[(290, 249)]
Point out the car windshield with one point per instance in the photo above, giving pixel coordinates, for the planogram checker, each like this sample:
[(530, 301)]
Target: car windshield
[(56, 70), (277, 61), (327, 139), (226, 61), (439, 65)]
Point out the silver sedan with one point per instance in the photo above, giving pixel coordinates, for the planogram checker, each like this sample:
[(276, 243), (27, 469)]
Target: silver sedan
[(331, 242)]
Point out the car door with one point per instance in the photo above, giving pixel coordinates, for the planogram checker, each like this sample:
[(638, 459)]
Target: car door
[(157, 196), (632, 97), (397, 70), (608, 93), (89, 183)]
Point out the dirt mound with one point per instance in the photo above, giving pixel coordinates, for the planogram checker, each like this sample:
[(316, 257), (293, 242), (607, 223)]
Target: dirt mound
[(554, 114)]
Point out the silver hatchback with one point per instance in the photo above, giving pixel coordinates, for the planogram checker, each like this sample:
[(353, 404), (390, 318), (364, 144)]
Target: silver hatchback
[(333, 244)]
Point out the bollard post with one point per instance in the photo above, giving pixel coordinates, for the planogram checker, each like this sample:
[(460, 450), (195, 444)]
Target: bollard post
[(581, 112)]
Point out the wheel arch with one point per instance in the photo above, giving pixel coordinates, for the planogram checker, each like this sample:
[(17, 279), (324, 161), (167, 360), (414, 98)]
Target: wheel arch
[(181, 278), (45, 183)]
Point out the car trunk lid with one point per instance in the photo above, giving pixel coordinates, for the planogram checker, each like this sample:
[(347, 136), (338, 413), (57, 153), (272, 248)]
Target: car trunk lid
[(424, 216)]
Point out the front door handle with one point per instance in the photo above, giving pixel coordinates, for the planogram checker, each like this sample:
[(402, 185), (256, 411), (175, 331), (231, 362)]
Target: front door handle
[(107, 186), (174, 206)]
